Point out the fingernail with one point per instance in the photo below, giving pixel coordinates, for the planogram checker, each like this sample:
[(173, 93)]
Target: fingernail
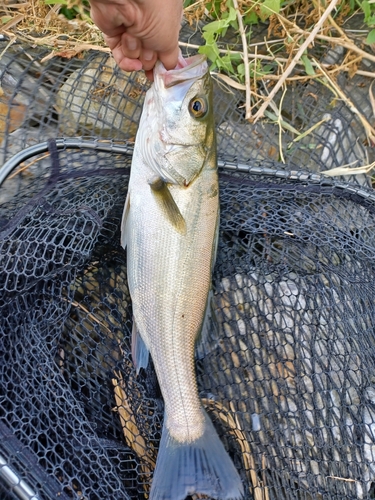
[(131, 44), (147, 55)]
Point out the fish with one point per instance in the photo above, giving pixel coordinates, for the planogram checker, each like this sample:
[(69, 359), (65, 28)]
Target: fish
[(170, 231)]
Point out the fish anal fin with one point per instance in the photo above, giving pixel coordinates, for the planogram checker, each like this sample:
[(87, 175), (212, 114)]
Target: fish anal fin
[(209, 329), (140, 352), (168, 205), (202, 467)]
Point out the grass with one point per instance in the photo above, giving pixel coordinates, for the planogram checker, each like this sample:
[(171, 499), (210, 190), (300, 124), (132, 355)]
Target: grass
[(296, 30)]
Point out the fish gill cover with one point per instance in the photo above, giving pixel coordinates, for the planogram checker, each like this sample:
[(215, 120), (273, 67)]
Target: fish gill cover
[(286, 370)]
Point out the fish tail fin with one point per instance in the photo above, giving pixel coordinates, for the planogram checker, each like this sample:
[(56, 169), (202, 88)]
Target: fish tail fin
[(202, 466)]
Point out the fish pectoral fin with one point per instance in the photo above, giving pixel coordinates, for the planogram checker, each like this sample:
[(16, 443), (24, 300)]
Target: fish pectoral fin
[(167, 204), (140, 352), (124, 221)]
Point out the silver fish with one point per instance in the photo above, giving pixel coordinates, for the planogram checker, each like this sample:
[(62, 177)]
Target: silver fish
[(169, 227)]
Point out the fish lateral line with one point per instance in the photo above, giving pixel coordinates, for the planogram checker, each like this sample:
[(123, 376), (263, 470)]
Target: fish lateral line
[(167, 203)]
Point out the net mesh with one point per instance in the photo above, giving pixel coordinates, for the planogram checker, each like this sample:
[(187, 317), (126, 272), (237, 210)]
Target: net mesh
[(286, 371)]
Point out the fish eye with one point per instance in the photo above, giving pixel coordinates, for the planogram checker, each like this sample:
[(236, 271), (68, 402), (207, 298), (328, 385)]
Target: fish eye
[(198, 107)]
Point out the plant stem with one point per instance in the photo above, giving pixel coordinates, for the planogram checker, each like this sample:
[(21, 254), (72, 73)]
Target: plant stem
[(245, 58), (295, 59)]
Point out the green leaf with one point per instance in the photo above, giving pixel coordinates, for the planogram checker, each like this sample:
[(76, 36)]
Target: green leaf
[(232, 15), (216, 26), (268, 68), (225, 63), (269, 7), (235, 58), (371, 37), (211, 51), (69, 13), (365, 6), (256, 69), (214, 8), (209, 36), (308, 66), (241, 70), (232, 18), (5, 19), (251, 18), (220, 26)]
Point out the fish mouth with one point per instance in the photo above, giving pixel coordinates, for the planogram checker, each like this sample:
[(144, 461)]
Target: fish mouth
[(192, 68)]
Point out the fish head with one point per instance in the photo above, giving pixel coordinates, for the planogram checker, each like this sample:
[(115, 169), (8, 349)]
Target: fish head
[(181, 130)]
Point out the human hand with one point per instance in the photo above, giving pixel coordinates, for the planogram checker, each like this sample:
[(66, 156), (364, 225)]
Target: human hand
[(139, 32)]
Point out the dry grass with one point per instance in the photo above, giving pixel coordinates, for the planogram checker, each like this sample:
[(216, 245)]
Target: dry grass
[(291, 32), (36, 23), (301, 25)]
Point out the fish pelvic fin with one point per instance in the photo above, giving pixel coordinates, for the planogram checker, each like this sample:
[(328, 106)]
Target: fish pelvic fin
[(202, 466), (166, 202), (124, 221)]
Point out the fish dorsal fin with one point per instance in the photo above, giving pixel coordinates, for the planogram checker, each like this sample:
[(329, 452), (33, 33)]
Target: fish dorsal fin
[(140, 352), (167, 204)]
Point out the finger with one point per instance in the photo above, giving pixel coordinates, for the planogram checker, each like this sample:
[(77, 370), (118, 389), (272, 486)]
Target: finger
[(125, 63), (148, 59), (129, 64), (170, 58), (108, 19), (150, 75), (113, 42), (131, 46)]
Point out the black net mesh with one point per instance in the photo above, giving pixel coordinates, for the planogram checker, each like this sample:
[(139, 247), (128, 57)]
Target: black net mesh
[(287, 371)]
